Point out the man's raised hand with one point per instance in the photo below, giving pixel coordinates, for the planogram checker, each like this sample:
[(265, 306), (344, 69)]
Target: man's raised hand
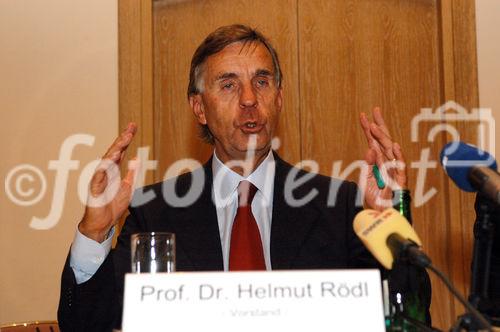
[(109, 195), (387, 156)]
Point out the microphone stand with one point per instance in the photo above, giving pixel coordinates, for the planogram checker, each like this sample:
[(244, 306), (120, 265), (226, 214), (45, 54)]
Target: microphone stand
[(481, 262), (406, 248)]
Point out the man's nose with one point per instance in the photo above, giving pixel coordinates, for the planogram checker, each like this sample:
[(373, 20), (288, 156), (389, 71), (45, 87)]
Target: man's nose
[(248, 97)]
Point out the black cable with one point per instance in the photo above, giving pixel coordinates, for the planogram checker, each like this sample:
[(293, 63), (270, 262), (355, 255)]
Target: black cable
[(480, 318)]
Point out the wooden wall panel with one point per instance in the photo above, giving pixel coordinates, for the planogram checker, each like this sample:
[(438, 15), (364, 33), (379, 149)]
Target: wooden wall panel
[(179, 27), (136, 72), (355, 55), (135, 78), (460, 85)]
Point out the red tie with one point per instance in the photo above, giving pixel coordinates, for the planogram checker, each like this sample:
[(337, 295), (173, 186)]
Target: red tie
[(246, 251)]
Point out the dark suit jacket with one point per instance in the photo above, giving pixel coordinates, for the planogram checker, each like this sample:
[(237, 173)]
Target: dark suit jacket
[(313, 236)]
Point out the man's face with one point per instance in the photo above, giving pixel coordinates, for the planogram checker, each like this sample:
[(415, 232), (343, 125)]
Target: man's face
[(240, 98)]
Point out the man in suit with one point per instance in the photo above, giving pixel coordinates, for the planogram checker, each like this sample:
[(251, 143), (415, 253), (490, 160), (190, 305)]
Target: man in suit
[(236, 96)]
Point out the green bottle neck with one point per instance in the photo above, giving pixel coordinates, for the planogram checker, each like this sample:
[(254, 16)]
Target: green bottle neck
[(402, 203)]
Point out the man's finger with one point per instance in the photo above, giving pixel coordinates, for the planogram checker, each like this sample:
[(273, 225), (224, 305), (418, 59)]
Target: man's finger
[(402, 179), (365, 125), (376, 154), (123, 140), (379, 120), (98, 176), (98, 183), (119, 146), (398, 155), (131, 129), (133, 167), (370, 157), (398, 152), (113, 157), (122, 155), (124, 195), (127, 185), (383, 140)]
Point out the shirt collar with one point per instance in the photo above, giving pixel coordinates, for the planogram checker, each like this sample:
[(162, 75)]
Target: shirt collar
[(226, 180)]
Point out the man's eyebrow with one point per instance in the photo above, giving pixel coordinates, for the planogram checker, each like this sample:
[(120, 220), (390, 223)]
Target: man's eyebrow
[(224, 76), (263, 72), (227, 75)]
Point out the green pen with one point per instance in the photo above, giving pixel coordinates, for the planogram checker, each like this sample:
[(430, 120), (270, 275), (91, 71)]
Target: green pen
[(378, 177)]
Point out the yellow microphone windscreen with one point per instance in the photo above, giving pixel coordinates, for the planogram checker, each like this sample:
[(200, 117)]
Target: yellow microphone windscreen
[(373, 228)]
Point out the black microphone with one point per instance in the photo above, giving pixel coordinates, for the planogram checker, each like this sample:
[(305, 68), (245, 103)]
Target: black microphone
[(486, 181), (401, 248), (472, 169), (475, 170)]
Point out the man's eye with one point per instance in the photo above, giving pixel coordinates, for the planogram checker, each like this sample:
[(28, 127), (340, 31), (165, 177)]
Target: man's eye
[(262, 83), (228, 86)]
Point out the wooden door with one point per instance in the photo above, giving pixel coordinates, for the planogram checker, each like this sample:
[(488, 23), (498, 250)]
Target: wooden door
[(178, 29), (340, 58)]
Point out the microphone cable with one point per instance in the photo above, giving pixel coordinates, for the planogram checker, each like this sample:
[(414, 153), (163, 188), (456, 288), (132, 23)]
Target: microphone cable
[(480, 318)]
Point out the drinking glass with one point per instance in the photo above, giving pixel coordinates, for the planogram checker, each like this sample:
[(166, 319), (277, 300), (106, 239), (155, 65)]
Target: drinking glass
[(152, 252)]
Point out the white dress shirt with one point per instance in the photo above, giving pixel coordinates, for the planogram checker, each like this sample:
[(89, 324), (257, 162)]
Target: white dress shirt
[(225, 197), (87, 255)]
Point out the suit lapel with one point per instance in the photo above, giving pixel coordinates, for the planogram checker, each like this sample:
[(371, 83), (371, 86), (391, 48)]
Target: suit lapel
[(198, 229), (290, 225)]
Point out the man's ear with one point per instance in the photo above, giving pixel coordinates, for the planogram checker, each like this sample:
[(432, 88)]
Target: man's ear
[(279, 99), (196, 103)]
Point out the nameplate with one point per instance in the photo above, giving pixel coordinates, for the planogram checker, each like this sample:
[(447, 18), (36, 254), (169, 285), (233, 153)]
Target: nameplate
[(325, 300)]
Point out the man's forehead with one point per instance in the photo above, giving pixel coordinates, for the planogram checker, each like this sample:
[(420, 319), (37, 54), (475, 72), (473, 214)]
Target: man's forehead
[(251, 52)]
